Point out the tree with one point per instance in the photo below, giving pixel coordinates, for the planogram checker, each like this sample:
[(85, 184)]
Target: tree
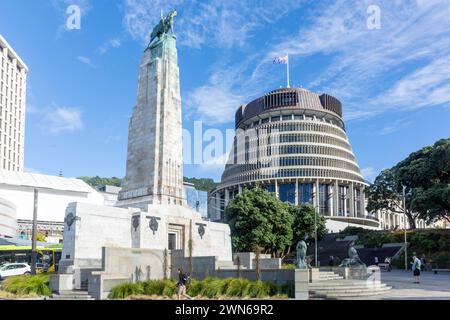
[(426, 176), (202, 184), (303, 225), (97, 182), (257, 218), (386, 194)]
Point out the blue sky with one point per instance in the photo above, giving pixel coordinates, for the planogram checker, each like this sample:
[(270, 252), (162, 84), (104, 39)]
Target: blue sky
[(394, 82)]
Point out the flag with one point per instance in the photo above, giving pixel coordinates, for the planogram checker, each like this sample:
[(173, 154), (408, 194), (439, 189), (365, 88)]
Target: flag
[(281, 60)]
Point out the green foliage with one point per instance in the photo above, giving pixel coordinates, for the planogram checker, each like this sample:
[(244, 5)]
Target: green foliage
[(210, 288), (289, 266), (257, 218), (202, 183), (125, 290), (237, 288), (288, 289), (434, 245), (426, 176), (28, 285), (304, 223), (97, 182)]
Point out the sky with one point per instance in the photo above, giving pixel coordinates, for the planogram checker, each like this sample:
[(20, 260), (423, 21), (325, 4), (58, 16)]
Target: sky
[(393, 77)]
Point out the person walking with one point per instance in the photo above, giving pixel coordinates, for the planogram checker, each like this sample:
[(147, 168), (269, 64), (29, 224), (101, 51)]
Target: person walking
[(181, 285), (387, 261), (424, 264), (416, 264), (331, 261), (376, 261)]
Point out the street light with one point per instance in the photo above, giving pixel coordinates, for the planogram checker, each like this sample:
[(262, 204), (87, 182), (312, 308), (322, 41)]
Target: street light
[(316, 207), (404, 225)]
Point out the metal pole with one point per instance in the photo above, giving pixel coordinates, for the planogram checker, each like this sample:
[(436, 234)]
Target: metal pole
[(34, 233), (315, 205), (404, 225), (315, 237)]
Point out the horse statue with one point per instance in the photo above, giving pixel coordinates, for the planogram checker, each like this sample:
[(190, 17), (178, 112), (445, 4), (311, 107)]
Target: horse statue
[(353, 260), (301, 255), (164, 26)]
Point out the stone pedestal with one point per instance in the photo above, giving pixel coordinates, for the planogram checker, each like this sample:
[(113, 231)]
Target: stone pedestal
[(301, 284), (61, 282), (314, 274)]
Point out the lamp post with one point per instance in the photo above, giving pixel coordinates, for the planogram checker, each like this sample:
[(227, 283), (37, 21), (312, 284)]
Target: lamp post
[(404, 225), (315, 199), (34, 233)]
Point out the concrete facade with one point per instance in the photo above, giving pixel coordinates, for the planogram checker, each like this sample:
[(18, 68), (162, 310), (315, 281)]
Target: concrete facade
[(8, 219), (13, 82)]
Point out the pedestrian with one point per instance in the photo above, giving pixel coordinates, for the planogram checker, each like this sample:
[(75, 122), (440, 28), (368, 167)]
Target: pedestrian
[(424, 263), (331, 261), (182, 281), (416, 269), (388, 263), (376, 261)]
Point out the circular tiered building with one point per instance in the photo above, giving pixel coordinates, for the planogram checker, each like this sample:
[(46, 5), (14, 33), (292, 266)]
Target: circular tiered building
[(293, 142)]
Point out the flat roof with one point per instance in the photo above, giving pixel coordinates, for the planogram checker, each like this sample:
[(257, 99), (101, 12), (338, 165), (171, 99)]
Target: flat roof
[(5, 43), (36, 180)]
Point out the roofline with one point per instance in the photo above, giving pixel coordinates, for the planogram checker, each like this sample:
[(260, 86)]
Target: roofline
[(16, 56)]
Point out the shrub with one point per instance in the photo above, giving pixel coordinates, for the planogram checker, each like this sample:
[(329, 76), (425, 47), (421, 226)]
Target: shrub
[(28, 285), (153, 287), (125, 290), (210, 288), (288, 289), (169, 288), (237, 288)]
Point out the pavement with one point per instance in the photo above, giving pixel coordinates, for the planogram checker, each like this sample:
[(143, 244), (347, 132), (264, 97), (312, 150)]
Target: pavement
[(431, 287)]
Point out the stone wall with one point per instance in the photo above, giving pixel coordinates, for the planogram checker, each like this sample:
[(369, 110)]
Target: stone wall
[(92, 228)]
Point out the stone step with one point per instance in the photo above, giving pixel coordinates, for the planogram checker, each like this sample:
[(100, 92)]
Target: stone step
[(345, 282), (348, 290), (349, 295), (346, 287), (331, 278), (72, 295)]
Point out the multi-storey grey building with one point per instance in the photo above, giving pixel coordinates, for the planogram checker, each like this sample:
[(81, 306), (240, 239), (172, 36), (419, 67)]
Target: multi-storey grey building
[(13, 78), (293, 142)]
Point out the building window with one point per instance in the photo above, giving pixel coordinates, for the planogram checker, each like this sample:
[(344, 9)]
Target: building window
[(323, 199), (287, 192), (305, 191)]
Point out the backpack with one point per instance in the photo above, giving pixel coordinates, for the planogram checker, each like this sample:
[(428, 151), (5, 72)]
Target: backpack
[(185, 278)]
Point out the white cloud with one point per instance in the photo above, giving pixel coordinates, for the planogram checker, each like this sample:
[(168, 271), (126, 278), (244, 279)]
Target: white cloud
[(86, 61), (62, 119), (427, 86), (394, 126), (362, 62), (214, 104), (218, 23), (110, 44), (369, 173)]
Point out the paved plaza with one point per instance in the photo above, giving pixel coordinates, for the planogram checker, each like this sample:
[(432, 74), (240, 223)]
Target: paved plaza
[(432, 286)]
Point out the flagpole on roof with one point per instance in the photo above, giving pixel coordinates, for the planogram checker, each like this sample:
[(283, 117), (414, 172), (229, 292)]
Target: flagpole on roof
[(287, 68)]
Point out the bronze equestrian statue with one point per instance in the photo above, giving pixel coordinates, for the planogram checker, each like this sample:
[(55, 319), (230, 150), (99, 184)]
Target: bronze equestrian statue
[(164, 26)]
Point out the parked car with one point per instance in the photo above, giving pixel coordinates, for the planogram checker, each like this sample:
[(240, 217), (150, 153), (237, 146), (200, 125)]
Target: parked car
[(14, 269)]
